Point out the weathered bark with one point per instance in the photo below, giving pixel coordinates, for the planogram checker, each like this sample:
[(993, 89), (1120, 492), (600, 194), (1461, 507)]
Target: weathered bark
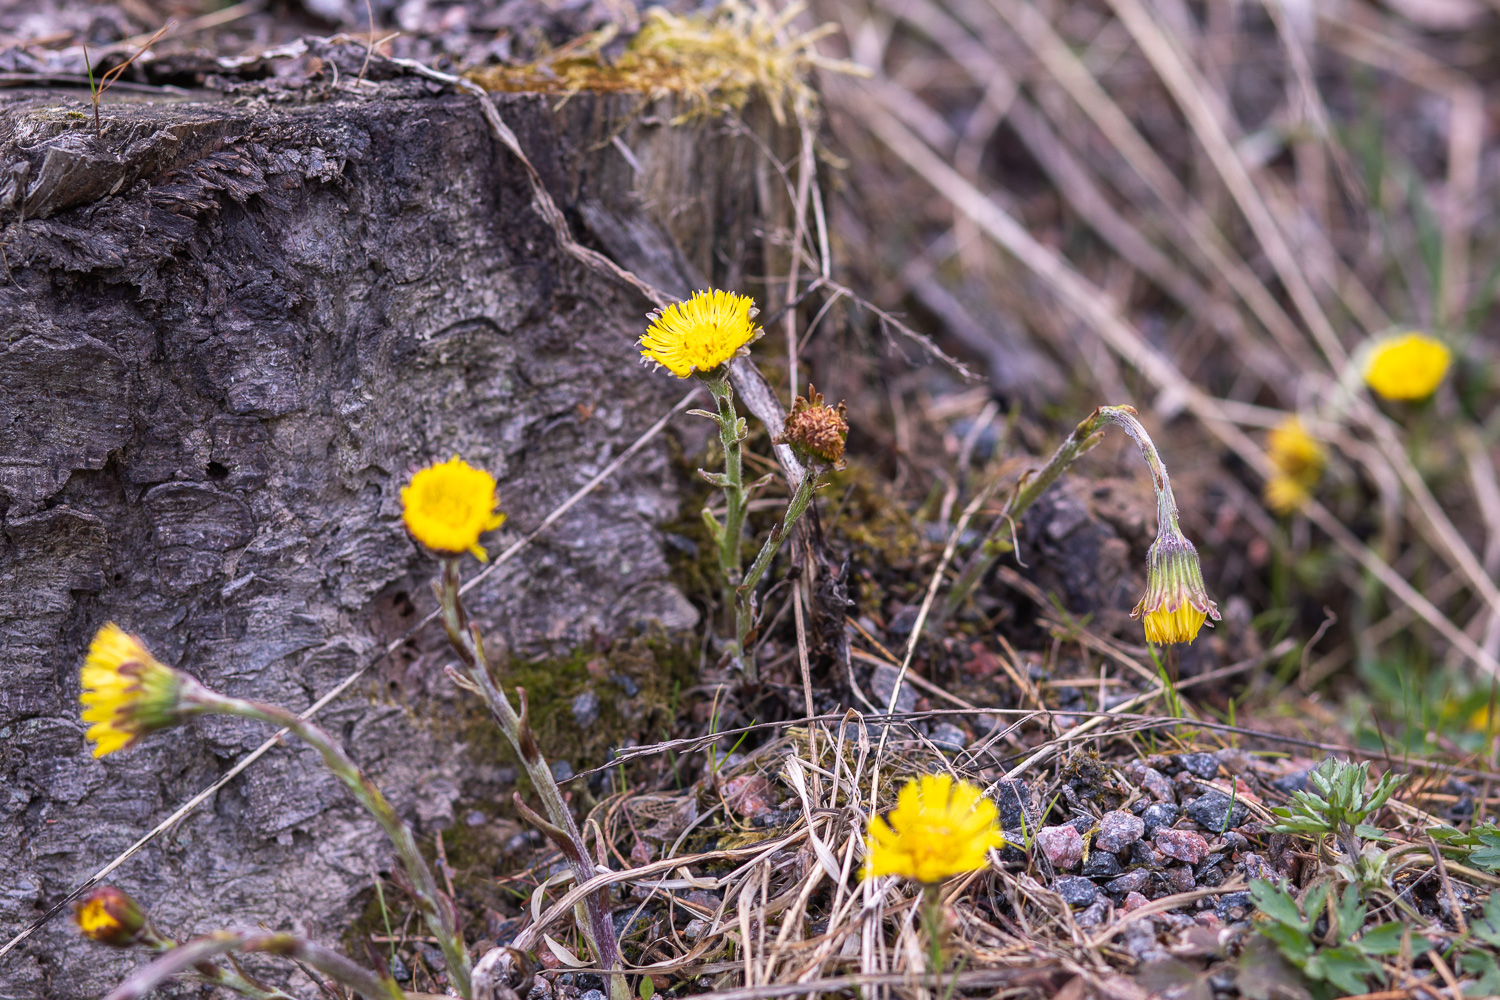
[(230, 329)]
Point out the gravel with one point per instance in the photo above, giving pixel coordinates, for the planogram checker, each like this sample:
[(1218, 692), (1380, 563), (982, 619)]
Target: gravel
[(1216, 812), (1118, 830), (1200, 765), (1184, 845), (1134, 880), (586, 709), (1157, 816), (947, 736), (1062, 845), (1180, 879), (1101, 864), (1078, 891)]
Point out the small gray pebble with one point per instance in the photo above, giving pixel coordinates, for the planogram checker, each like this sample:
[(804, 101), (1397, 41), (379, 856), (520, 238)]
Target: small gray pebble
[(1076, 890), (1101, 864), (1157, 816)]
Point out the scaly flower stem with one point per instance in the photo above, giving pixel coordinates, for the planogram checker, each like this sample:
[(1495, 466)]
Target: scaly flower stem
[(935, 926), (466, 640), (1085, 436), (189, 956), (732, 435), (437, 911), (210, 972), (744, 595)]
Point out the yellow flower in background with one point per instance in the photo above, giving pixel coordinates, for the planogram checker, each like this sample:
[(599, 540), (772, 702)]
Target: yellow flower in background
[(939, 828), (700, 334), (448, 506), (110, 917), (1299, 460), (1176, 603), (1407, 366), (126, 691)]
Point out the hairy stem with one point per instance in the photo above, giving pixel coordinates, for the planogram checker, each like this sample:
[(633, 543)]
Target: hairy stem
[(744, 595), (1085, 436), (732, 436), (187, 957), (436, 909), (561, 827), (1088, 433)]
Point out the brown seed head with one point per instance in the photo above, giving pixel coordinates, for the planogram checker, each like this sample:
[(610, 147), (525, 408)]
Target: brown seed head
[(816, 429)]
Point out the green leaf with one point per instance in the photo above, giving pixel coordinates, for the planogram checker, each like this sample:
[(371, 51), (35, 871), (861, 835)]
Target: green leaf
[(1385, 939), (1313, 900), (1369, 832), (1482, 965), (1291, 942), (1350, 912), (1488, 928), (1344, 967), (647, 988), (1277, 904)]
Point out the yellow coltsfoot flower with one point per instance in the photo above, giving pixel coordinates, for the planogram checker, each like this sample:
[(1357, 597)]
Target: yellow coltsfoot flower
[(701, 334), (939, 828), (1299, 460), (110, 917), (448, 506), (1176, 603), (127, 692), (1406, 366)]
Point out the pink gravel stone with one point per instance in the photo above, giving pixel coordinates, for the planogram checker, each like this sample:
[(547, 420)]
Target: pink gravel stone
[(1133, 901), (1063, 846), (1184, 845), (1118, 830)]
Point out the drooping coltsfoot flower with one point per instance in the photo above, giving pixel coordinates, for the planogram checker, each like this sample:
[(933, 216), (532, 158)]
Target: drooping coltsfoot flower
[(1407, 366), (939, 828), (448, 506), (817, 430), (1176, 603), (701, 334), (126, 691), (110, 917), (1298, 459)]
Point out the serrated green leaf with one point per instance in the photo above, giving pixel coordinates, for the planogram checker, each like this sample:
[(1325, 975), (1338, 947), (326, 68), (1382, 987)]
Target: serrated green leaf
[(1277, 904), (1349, 909), (1487, 929), (1313, 900), (1384, 939), (1292, 943), (1344, 967), (1482, 965)]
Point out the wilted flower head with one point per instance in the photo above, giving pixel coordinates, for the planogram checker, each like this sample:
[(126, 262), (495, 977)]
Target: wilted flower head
[(1176, 602), (700, 334), (816, 429), (1406, 366), (448, 506), (126, 691), (110, 917), (939, 828), (1298, 459)]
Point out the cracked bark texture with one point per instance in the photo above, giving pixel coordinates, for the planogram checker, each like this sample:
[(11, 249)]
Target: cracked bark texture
[(228, 331)]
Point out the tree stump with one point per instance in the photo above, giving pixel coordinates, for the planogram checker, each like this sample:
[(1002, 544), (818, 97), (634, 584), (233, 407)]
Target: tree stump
[(232, 326)]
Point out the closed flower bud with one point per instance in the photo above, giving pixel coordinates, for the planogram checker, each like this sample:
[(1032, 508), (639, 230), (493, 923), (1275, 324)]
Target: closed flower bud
[(817, 430), (1176, 603), (110, 917)]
